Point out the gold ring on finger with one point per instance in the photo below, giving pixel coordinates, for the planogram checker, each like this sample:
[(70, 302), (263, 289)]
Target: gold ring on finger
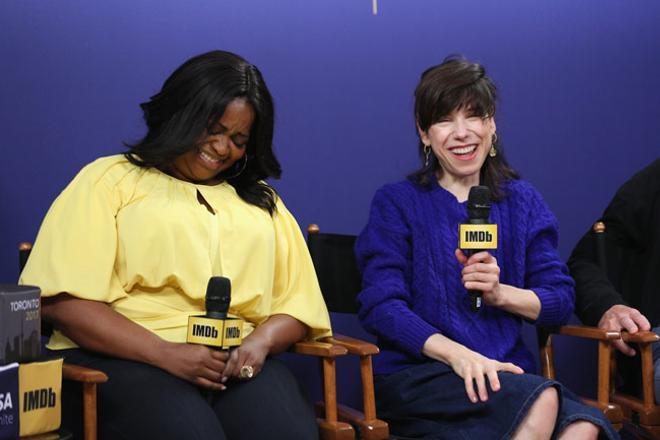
[(246, 372)]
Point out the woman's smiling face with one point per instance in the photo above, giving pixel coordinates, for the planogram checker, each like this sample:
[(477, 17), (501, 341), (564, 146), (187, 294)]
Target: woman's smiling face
[(221, 147), (461, 142)]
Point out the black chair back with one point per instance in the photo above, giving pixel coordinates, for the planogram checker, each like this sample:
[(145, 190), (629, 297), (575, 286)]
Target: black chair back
[(336, 269)]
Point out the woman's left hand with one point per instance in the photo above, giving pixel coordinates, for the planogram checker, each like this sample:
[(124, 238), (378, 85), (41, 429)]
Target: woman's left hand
[(252, 352), (481, 272)]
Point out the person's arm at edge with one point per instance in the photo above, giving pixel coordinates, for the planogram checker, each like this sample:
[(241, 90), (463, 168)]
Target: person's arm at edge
[(594, 293), (94, 326)]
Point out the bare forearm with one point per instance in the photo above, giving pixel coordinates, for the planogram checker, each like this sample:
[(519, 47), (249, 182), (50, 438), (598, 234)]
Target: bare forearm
[(95, 326), (441, 348), (279, 332), (521, 302)]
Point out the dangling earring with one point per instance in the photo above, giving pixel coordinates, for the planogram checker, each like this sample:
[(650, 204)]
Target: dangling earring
[(245, 157), (493, 150), (427, 155)]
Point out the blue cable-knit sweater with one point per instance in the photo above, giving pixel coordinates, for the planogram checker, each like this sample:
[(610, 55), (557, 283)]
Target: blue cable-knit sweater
[(412, 281)]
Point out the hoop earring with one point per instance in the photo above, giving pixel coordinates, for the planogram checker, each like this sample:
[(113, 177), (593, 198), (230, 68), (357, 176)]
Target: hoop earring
[(493, 151), (427, 155), (245, 157)]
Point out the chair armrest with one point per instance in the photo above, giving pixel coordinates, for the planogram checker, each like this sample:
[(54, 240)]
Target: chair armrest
[(586, 332), (354, 346), (642, 336), (83, 374), (317, 348)]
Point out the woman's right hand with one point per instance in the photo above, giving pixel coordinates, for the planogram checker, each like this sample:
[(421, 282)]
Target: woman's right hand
[(469, 365), (475, 368), (198, 364)]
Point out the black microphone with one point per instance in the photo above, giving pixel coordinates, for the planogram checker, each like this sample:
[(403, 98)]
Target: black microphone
[(477, 234), (215, 329), (218, 297)]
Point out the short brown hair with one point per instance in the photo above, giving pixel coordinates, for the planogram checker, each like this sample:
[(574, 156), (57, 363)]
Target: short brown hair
[(457, 84)]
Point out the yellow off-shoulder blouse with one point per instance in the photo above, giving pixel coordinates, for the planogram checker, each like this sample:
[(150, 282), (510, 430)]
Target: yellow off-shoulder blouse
[(140, 240)]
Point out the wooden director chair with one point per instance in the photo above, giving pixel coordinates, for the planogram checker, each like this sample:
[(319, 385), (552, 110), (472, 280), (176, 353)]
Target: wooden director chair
[(330, 425), (618, 406), (340, 281)]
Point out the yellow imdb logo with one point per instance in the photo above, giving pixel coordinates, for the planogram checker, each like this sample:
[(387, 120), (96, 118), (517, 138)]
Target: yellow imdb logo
[(40, 384), (214, 332), (477, 236)]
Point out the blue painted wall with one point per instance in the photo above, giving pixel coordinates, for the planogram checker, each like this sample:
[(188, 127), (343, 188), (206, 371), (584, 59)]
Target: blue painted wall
[(579, 108)]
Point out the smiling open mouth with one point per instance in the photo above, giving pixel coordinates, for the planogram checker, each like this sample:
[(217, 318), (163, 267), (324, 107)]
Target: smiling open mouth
[(461, 151), (211, 161)]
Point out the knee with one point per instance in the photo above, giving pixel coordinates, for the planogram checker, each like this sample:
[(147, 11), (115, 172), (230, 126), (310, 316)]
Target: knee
[(580, 429), (548, 402)]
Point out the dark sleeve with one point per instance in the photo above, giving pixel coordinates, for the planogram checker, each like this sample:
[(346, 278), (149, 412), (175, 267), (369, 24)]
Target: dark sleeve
[(625, 220), (594, 293), (383, 252)]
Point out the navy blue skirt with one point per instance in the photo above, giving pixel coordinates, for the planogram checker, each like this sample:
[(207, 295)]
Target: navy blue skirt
[(429, 401)]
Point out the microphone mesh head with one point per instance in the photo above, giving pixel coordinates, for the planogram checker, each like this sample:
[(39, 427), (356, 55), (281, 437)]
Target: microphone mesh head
[(478, 204), (218, 295)]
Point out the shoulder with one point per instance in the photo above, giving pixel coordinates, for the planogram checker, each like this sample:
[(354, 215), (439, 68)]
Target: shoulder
[(522, 194), (526, 203), (110, 171), (113, 178), (520, 188), (645, 183), (402, 193)]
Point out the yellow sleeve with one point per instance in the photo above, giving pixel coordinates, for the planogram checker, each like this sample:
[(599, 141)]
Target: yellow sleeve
[(296, 290), (77, 243)]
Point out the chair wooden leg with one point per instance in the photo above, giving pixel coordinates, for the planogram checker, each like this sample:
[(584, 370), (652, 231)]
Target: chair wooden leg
[(372, 428), (330, 389), (604, 358), (335, 430), (647, 376), (368, 402), (331, 428), (89, 411), (546, 353)]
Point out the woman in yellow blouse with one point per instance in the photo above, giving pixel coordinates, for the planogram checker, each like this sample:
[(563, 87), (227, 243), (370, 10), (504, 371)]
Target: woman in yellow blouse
[(125, 252)]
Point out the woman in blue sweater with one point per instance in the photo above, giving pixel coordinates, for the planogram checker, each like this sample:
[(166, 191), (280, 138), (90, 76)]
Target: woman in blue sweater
[(445, 371)]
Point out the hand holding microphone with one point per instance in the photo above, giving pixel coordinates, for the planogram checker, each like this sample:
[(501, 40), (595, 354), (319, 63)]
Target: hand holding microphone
[(481, 272), (215, 329), (481, 276)]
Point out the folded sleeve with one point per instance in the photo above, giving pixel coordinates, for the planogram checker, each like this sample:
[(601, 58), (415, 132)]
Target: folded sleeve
[(383, 252), (545, 273), (76, 245), (296, 289)]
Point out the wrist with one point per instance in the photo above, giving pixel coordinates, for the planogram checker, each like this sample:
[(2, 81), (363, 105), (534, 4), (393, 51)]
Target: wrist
[(503, 297), (455, 352), (443, 349), (261, 339), (158, 352)]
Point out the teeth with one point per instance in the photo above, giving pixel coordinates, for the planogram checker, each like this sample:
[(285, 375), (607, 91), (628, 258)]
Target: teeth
[(208, 158), (464, 150)]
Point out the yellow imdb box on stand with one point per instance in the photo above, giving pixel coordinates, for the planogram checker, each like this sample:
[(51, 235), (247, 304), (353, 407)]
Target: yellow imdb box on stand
[(40, 389), (473, 236)]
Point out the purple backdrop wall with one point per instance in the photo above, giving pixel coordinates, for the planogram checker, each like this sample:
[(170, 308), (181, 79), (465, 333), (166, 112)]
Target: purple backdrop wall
[(578, 112)]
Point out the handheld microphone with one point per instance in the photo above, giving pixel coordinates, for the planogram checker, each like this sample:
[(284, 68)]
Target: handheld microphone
[(215, 329), (477, 234)]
